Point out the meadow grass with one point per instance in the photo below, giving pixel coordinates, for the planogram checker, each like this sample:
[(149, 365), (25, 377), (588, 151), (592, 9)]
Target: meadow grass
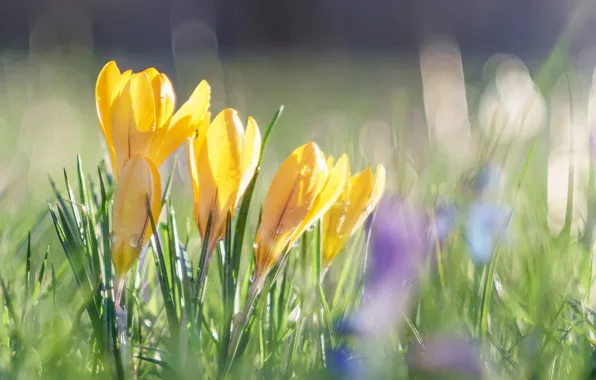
[(530, 308)]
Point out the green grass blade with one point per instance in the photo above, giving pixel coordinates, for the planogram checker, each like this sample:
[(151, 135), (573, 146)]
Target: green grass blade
[(166, 291), (168, 187), (27, 277)]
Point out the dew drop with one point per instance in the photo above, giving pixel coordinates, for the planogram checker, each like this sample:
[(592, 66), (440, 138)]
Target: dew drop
[(340, 222), (296, 243), (113, 237), (312, 227), (134, 241)]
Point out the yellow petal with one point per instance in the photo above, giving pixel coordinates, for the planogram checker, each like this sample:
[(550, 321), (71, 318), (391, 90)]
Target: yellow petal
[(333, 188), (379, 186), (219, 167), (131, 227), (332, 221), (375, 196), (193, 150), (191, 116), (289, 198), (106, 83), (252, 152), (143, 102), (194, 109), (164, 98), (194, 147), (346, 214), (132, 119), (331, 162), (120, 84), (151, 72)]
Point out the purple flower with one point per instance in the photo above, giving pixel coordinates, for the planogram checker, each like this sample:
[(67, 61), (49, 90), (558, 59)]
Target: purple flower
[(445, 220), (488, 178), (486, 223), (401, 238), (446, 356), (341, 360), (344, 364)]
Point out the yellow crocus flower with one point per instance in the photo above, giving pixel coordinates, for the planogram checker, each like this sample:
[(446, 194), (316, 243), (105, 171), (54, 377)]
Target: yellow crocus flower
[(222, 162), (303, 189), (357, 201), (136, 114), (131, 227)]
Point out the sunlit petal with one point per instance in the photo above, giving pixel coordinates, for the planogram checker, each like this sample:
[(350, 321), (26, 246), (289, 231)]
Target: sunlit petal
[(345, 213), (164, 98), (132, 118), (143, 102), (131, 227), (194, 109), (376, 194), (185, 123), (326, 198), (252, 151), (106, 83), (289, 198), (220, 172), (194, 147)]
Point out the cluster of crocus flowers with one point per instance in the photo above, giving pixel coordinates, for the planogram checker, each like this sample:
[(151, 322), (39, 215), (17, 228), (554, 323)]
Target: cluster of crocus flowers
[(136, 114), (308, 188)]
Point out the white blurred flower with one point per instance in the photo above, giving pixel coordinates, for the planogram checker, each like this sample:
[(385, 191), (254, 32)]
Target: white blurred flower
[(559, 167), (445, 103), (512, 109)]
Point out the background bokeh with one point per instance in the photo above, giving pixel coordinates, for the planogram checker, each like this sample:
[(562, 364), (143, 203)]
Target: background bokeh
[(392, 82)]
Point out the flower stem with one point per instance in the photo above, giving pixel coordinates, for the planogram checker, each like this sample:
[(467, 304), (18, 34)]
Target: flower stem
[(243, 321)]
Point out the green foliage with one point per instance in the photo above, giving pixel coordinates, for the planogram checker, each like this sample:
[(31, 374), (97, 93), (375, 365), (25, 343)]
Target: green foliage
[(186, 315)]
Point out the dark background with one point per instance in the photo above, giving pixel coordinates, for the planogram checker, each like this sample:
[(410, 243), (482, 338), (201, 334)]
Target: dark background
[(521, 27)]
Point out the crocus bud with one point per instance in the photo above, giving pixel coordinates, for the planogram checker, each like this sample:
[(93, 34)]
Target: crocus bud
[(131, 227)]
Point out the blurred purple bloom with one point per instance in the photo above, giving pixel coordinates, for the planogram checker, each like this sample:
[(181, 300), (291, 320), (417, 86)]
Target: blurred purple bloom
[(488, 178), (445, 220), (341, 360), (486, 223), (344, 328), (401, 237), (344, 364), (446, 356)]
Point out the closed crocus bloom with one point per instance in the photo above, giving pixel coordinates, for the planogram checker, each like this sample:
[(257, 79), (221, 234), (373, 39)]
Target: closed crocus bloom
[(136, 114), (356, 202), (301, 191), (334, 185), (222, 161), (131, 226)]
